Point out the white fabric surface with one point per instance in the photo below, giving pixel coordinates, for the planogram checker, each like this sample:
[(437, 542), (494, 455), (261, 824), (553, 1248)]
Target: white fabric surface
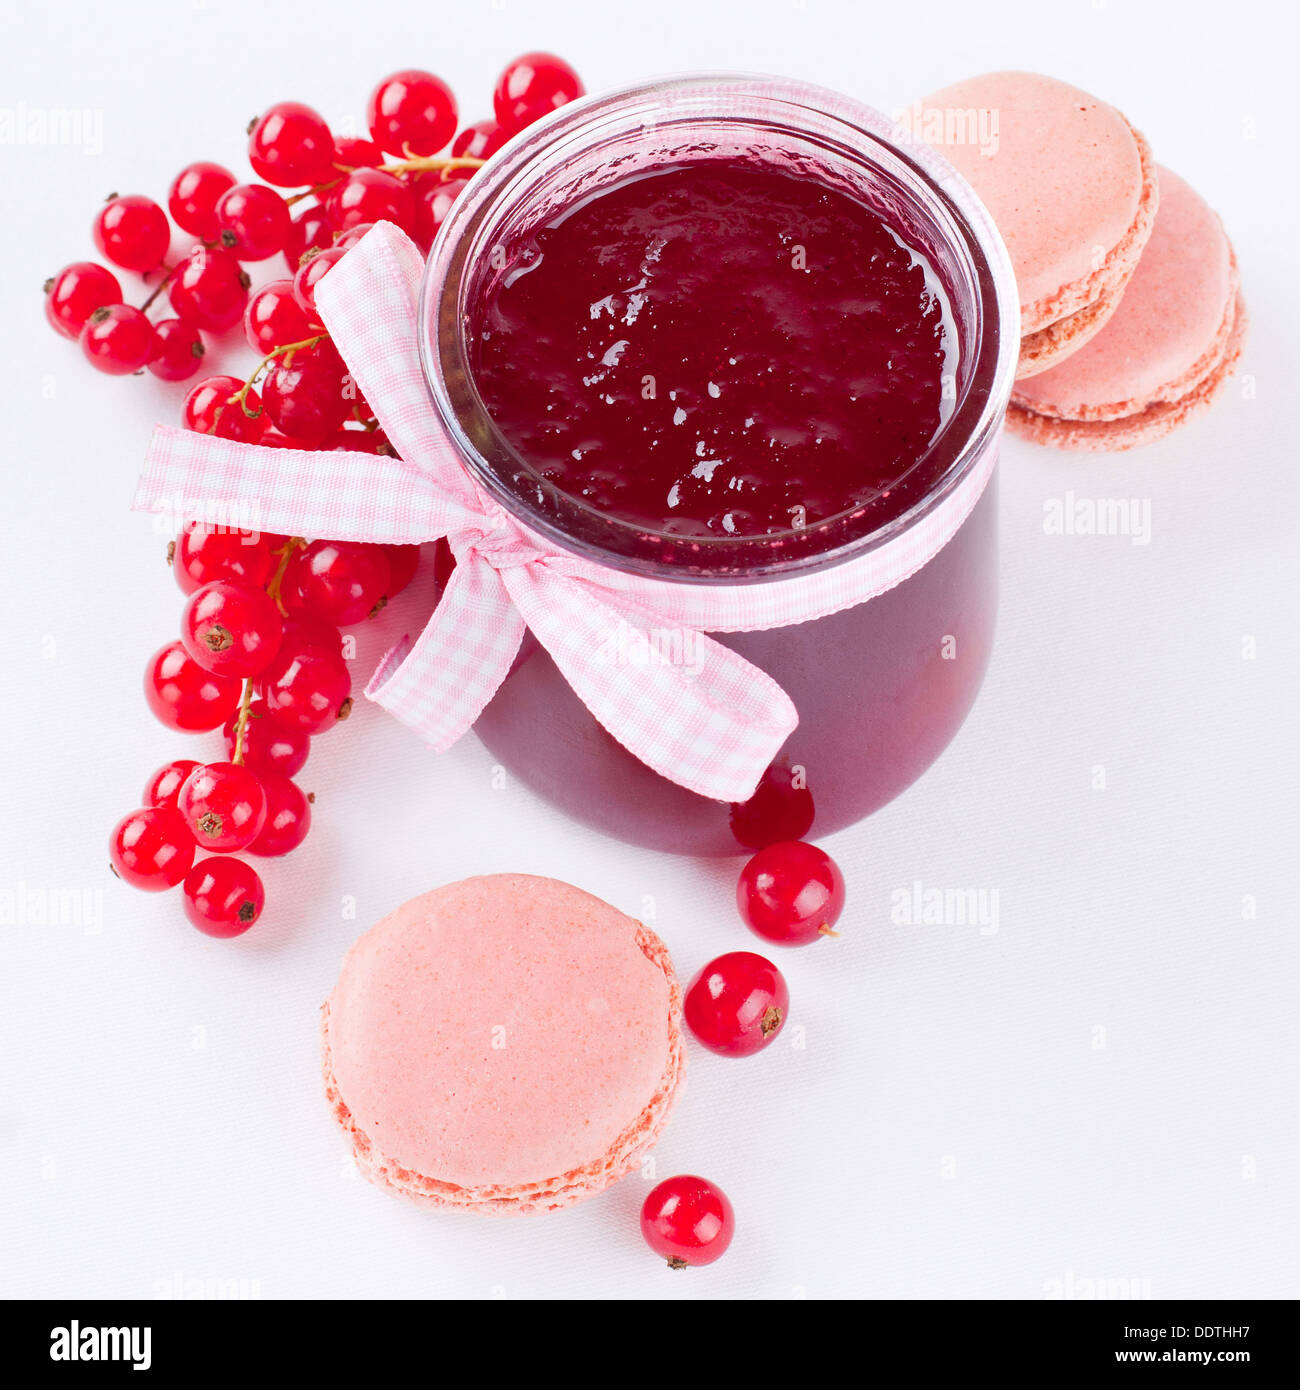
[(951, 1126)]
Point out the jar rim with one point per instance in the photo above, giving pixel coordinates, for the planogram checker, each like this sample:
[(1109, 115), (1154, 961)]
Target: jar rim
[(503, 186)]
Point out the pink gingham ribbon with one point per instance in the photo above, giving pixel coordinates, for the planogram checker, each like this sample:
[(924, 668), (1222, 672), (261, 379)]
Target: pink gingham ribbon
[(711, 724)]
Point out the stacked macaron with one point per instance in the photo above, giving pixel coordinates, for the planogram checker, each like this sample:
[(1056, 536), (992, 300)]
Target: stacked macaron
[(505, 1044), (1131, 311)]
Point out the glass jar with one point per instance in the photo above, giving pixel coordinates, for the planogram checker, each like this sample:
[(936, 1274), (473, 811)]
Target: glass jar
[(881, 687)]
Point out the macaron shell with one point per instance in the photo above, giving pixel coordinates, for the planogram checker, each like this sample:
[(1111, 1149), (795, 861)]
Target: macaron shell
[(1070, 184), (1149, 424), (507, 1043), (1044, 349), (1169, 329)]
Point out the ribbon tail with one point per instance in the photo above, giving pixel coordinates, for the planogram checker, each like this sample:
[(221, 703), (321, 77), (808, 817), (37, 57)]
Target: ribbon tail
[(685, 705), (338, 494), (440, 685)]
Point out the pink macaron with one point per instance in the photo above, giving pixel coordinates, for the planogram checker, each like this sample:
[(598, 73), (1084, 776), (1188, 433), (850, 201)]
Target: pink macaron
[(1171, 345), (1071, 186), (505, 1044)]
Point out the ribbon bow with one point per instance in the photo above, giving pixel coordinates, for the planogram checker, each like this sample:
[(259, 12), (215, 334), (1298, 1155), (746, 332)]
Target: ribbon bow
[(711, 723)]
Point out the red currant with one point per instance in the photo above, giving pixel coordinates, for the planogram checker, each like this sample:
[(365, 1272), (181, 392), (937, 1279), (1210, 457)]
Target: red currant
[(353, 152), (370, 195), (434, 196), (202, 555), (347, 240), (117, 339), (532, 87), (310, 273), (192, 201), (76, 292), (340, 581), (688, 1220), (288, 817), (210, 289), (162, 787), (780, 809), (403, 560), (362, 441), (269, 747), (212, 407), (183, 695), (223, 805), (478, 141), (311, 630), (151, 848), (307, 688), (274, 317), (231, 628), (291, 145), (254, 221), (309, 231), (737, 1004), (306, 393), (411, 113), (791, 893), (177, 350), (132, 232), (223, 896)]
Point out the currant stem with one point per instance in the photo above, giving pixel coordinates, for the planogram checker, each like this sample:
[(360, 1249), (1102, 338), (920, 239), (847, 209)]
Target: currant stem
[(285, 553), (417, 164), (241, 722), (286, 351), (161, 286)]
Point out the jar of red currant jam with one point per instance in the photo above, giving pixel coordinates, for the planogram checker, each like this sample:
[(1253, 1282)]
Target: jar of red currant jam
[(735, 331)]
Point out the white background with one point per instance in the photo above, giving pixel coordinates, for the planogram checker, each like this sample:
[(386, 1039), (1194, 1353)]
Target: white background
[(955, 1125)]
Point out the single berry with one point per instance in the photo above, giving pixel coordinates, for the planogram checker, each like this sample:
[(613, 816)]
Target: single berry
[(291, 146), (274, 318), (192, 201), (687, 1220), (353, 152), (210, 289), (308, 393), (411, 113), (403, 560), (780, 809), (76, 292), (339, 581), (177, 350), (370, 195), (310, 273), (183, 695), (212, 407), (478, 141), (254, 221), (117, 339), (791, 893), (434, 196), (132, 232), (231, 628), (309, 231), (223, 896), (223, 805), (269, 748), (288, 817), (311, 630), (161, 789), (202, 554), (307, 688), (151, 848), (737, 1004), (532, 87)]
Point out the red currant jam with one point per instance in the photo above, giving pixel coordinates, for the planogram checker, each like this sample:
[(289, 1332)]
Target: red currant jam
[(716, 348)]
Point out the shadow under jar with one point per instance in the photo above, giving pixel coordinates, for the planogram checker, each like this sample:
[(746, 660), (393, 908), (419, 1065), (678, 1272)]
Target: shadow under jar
[(729, 331)]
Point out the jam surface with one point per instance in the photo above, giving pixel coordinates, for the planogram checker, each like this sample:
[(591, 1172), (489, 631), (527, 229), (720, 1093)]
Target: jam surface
[(716, 348)]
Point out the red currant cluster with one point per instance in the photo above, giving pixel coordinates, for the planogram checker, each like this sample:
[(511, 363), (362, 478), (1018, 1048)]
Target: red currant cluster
[(261, 656), (791, 894), (344, 185)]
